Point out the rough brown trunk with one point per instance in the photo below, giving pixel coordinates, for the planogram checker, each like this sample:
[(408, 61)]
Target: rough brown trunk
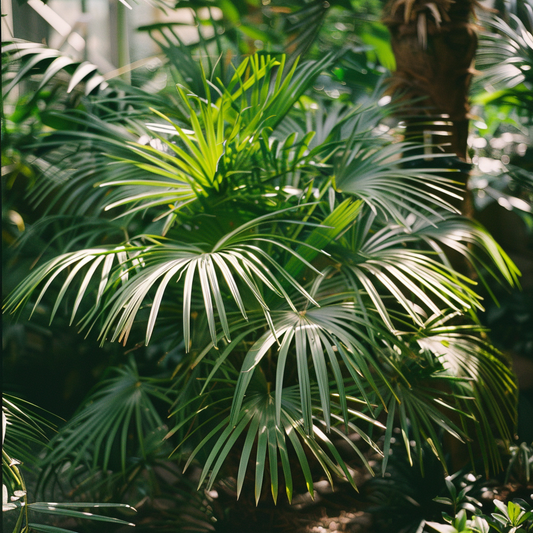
[(434, 45)]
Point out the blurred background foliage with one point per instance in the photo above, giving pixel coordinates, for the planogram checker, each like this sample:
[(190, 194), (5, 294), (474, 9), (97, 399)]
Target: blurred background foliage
[(116, 63)]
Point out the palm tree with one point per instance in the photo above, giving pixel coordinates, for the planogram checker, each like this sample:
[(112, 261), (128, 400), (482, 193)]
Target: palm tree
[(292, 272)]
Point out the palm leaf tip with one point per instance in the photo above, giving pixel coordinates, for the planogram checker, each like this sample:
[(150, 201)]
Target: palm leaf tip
[(257, 424)]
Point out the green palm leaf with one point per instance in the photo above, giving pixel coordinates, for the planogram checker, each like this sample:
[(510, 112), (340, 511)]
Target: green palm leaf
[(472, 241), (121, 404), (130, 273), (488, 391), (26, 428), (503, 54), (259, 423), (418, 282), (49, 62), (391, 191), (337, 330)]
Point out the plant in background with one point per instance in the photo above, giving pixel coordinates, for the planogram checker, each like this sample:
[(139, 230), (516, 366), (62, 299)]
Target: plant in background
[(460, 500), (515, 517), (520, 466), (15, 496), (459, 524), (404, 499)]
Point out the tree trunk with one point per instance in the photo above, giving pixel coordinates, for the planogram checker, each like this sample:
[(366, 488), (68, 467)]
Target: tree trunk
[(434, 45)]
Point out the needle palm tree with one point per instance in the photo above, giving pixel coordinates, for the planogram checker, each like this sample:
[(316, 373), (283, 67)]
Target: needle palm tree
[(295, 270)]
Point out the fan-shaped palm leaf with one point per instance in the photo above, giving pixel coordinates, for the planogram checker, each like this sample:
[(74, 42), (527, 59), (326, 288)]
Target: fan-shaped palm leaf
[(471, 240), (335, 333), (489, 378), (392, 191), (138, 268), (216, 153), (121, 404), (421, 284), (49, 63), (16, 497), (272, 432), (26, 428), (506, 55)]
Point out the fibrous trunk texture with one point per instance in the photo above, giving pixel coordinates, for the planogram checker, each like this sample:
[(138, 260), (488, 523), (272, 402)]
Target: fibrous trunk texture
[(434, 44)]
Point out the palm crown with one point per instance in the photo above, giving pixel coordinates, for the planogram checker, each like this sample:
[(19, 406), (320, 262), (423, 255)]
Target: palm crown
[(297, 268)]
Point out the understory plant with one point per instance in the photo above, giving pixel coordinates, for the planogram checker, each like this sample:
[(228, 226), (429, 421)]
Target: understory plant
[(515, 517), (21, 428), (287, 259)]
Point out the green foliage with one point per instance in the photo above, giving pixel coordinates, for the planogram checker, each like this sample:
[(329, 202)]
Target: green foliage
[(506, 55), (515, 517), (265, 241), (37, 59), (253, 277), (520, 466), (15, 496)]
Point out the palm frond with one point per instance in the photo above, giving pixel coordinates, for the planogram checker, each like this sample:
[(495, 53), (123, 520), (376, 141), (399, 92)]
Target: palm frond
[(24, 427), (489, 392), (303, 23), (325, 338), (35, 58), (391, 191), (150, 261), (417, 279), (188, 62), (281, 434), (472, 241), (121, 405), (215, 148), (505, 55)]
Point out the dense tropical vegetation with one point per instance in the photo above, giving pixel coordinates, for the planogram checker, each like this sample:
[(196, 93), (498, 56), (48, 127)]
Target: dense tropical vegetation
[(283, 289)]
